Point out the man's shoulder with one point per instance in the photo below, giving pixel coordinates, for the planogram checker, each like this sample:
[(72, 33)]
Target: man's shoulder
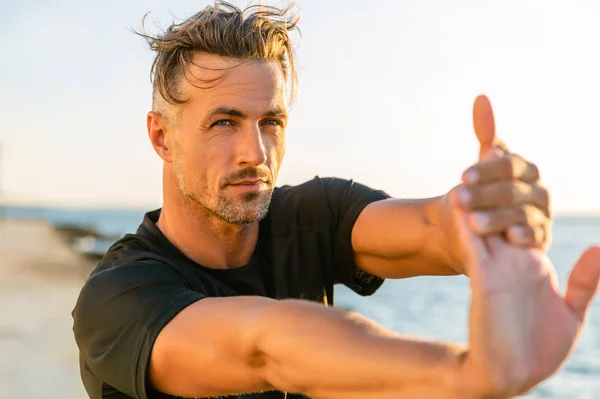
[(138, 261), (129, 276), (134, 255), (144, 246)]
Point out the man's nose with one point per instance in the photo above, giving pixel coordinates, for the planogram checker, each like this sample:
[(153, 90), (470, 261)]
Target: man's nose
[(251, 147)]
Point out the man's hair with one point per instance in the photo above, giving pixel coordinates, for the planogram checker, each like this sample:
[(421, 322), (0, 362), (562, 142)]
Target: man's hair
[(258, 32)]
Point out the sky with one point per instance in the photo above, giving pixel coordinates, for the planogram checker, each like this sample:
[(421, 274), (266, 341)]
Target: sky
[(386, 92)]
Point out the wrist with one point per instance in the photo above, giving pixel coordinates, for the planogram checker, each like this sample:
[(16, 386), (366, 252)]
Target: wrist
[(455, 379), (451, 243), (481, 382)]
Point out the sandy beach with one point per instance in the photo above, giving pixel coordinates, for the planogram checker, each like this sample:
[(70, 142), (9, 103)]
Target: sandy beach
[(40, 278)]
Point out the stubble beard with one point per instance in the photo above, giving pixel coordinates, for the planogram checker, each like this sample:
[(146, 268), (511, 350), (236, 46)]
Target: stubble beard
[(252, 207), (247, 208)]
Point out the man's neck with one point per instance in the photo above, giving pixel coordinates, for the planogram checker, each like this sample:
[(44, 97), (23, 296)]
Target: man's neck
[(206, 239)]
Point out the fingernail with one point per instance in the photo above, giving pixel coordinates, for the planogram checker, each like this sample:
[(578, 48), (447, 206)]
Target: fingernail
[(471, 176), (517, 231), (480, 221), (494, 153), (464, 196)]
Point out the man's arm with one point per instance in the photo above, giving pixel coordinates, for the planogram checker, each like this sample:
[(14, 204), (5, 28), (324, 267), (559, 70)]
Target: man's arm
[(398, 238), (404, 238), (501, 194), (221, 346)]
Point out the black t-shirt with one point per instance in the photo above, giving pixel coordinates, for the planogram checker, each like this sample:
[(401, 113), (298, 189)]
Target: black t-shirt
[(143, 281)]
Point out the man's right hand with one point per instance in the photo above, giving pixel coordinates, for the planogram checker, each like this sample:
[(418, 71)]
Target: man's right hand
[(521, 329)]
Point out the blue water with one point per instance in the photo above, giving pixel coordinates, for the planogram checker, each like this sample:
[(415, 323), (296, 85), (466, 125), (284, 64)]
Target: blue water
[(434, 307)]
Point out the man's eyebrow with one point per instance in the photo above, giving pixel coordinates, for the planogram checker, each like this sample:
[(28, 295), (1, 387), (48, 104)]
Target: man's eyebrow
[(275, 112), (226, 111)]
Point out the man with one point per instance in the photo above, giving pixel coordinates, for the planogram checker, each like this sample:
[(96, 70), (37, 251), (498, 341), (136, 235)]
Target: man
[(221, 292)]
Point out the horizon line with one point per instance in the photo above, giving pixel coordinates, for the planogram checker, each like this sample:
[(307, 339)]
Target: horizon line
[(147, 207)]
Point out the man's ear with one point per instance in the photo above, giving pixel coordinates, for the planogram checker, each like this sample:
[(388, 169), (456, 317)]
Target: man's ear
[(157, 132)]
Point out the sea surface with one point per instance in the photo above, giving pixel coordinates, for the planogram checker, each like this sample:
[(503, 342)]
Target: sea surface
[(433, 307)]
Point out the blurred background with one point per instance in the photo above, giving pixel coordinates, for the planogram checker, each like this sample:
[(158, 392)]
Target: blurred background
[(386, 89)]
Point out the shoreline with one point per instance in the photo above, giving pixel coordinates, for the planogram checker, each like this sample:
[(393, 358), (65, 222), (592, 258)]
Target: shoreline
[(40, 279)]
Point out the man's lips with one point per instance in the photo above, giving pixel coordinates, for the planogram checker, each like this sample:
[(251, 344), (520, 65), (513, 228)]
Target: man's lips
[(249, 186), (248, 182)]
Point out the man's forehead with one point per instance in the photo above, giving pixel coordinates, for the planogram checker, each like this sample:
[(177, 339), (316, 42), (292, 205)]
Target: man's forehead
[(206, 68), (217, 79), (206, 63)]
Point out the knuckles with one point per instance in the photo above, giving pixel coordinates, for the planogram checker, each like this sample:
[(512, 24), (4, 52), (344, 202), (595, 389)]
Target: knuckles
[(509, 165), (545, 198), (535, 171), (508, 192)]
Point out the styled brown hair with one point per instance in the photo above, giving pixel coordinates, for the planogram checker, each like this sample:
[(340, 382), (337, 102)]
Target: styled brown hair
[(258, 32)]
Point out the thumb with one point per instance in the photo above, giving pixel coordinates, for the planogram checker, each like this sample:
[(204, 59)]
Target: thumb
[(485, 126), (583, 281)]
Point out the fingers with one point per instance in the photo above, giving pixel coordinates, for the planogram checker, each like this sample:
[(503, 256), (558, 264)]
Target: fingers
[(583, 282), (501, 194), (504, 193), (483, 121), (485, 126), (508, 166), (528, 236), (496, 221), (495, 243)]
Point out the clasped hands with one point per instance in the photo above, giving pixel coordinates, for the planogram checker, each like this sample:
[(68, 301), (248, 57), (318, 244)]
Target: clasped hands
[(521, 329), (502, 193)]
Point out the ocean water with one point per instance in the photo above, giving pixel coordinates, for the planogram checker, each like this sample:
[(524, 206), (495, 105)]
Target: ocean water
[(433, 307)]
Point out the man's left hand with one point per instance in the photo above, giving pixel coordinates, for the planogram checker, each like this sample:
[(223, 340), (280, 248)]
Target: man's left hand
[(502, 193)]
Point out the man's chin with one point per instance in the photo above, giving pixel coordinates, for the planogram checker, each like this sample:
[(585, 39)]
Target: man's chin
[(256, 204), (243, 217), (255, 197), (246, 208)]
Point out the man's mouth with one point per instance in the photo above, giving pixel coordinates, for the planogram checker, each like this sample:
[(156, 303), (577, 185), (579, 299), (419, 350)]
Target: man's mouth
[(248, 182), (249, 185)]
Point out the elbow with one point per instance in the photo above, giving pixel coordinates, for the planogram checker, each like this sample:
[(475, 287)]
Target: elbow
[(272, 354)]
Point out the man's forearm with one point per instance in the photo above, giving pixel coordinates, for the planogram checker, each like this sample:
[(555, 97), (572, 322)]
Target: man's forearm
[(400, 238), (331, 354)]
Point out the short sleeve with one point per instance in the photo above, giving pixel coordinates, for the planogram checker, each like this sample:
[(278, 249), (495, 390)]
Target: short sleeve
[(347, 200), (119, 314)]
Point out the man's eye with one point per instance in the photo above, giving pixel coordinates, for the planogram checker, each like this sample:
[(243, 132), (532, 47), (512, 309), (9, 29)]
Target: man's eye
[(223, 122), (272, 122)]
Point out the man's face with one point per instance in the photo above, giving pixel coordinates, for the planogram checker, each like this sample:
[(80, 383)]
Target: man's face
[(229, 141)]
